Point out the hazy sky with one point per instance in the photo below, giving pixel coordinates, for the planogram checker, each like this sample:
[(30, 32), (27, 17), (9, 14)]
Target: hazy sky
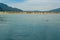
[(33, 4)]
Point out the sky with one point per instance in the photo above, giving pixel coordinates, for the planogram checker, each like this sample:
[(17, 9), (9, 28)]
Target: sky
[(28, 5)]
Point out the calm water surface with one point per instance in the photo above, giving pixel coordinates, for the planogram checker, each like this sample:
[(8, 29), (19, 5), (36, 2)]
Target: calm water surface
[(30, 27)]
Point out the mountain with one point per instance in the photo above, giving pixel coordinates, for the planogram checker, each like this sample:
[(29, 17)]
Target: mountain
[(4, 7), (55, 10)]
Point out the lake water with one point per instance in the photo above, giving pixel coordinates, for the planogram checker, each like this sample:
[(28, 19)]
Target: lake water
[(30, 27)]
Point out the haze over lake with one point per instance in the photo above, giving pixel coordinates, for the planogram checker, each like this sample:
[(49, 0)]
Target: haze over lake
[(30, 27)]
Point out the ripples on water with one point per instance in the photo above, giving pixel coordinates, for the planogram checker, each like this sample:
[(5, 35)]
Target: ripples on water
[(30, 27)]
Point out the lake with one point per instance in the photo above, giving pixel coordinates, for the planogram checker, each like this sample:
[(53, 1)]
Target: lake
[(29, 26)]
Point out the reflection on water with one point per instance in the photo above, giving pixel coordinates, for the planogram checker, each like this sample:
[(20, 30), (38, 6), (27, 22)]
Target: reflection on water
[(2, 19), (30, 27)]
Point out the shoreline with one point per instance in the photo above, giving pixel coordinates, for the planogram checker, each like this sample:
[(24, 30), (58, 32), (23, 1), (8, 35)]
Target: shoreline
[(29, 12)]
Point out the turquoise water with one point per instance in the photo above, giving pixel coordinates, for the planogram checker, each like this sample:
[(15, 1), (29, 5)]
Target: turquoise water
[(30, 27)]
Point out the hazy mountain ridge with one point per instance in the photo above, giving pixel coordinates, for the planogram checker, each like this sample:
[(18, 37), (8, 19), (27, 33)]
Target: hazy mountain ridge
[(4, 7), (55, 10)]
